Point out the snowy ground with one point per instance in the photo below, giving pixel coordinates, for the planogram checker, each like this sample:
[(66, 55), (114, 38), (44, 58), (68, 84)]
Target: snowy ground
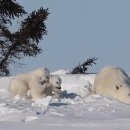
[(76, 110)]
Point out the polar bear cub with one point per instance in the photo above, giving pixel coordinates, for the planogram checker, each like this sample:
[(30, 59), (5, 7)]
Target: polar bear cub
[(56, 85), (21, 83), (114, 82), (51, 88)]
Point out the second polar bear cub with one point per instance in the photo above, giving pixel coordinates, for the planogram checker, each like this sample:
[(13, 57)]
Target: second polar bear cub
[(21, 83), (114, 82), (56, 85), (51, 88)]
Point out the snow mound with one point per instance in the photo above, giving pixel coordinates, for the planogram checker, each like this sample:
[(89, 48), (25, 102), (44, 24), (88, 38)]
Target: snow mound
[(79, 84), (60, 72)]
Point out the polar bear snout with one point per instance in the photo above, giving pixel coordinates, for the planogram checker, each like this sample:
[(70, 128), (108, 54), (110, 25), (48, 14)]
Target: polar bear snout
[(58, 87)]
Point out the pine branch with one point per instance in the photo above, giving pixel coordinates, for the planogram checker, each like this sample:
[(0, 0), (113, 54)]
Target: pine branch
[(11, 9), (82, 68), (33, 27)]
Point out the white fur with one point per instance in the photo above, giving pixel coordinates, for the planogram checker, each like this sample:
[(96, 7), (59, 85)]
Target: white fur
[(23, 82), (41, 91), (56, 83), (53, 88), (113, 82)]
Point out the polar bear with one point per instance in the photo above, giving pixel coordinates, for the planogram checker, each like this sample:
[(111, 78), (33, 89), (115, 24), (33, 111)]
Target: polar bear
[(56, 85), (114, 82), (40, 91), (51, 88), (21, 83)]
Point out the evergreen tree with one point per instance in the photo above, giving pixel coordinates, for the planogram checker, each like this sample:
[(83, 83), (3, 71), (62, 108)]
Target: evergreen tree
[(82, 68), (23, 42)]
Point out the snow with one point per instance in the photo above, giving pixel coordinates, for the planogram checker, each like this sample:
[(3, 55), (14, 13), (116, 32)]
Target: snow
[(78, 109), (60, 72)]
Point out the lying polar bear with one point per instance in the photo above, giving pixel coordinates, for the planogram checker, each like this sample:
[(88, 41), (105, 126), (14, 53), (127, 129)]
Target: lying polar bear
[(113, 82), (51, 88), (21, 83)]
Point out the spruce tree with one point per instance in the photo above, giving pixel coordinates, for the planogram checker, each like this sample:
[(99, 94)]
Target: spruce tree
[(23, 42)]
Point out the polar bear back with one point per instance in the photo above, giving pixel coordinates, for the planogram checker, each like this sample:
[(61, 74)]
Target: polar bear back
[(21, 83), (36, 75), (114, 82), (41, 72)]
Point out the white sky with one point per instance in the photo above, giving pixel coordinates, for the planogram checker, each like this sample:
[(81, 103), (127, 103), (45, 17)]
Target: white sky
[(82, 29)]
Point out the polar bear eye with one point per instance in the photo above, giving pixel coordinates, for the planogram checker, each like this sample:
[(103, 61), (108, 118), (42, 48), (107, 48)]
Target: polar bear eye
[(129, 94), (57, 82), (117, 87)]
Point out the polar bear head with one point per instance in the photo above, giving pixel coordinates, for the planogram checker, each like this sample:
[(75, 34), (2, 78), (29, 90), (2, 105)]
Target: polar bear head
[(122, 92), (114, 82), (56, 83), (43, 74)]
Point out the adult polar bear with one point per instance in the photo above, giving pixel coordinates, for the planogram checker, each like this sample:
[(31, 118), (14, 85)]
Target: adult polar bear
[(113, 82), (21, 83)]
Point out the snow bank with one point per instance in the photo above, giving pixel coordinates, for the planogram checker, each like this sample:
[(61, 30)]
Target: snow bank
[(60, 72), (79, 84)]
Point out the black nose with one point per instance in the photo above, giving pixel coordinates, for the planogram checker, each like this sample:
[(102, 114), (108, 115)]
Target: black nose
[(129, 94), (58, 87)]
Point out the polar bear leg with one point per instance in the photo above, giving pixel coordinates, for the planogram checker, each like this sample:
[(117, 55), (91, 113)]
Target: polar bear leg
[(18, 88), (36, 91)]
